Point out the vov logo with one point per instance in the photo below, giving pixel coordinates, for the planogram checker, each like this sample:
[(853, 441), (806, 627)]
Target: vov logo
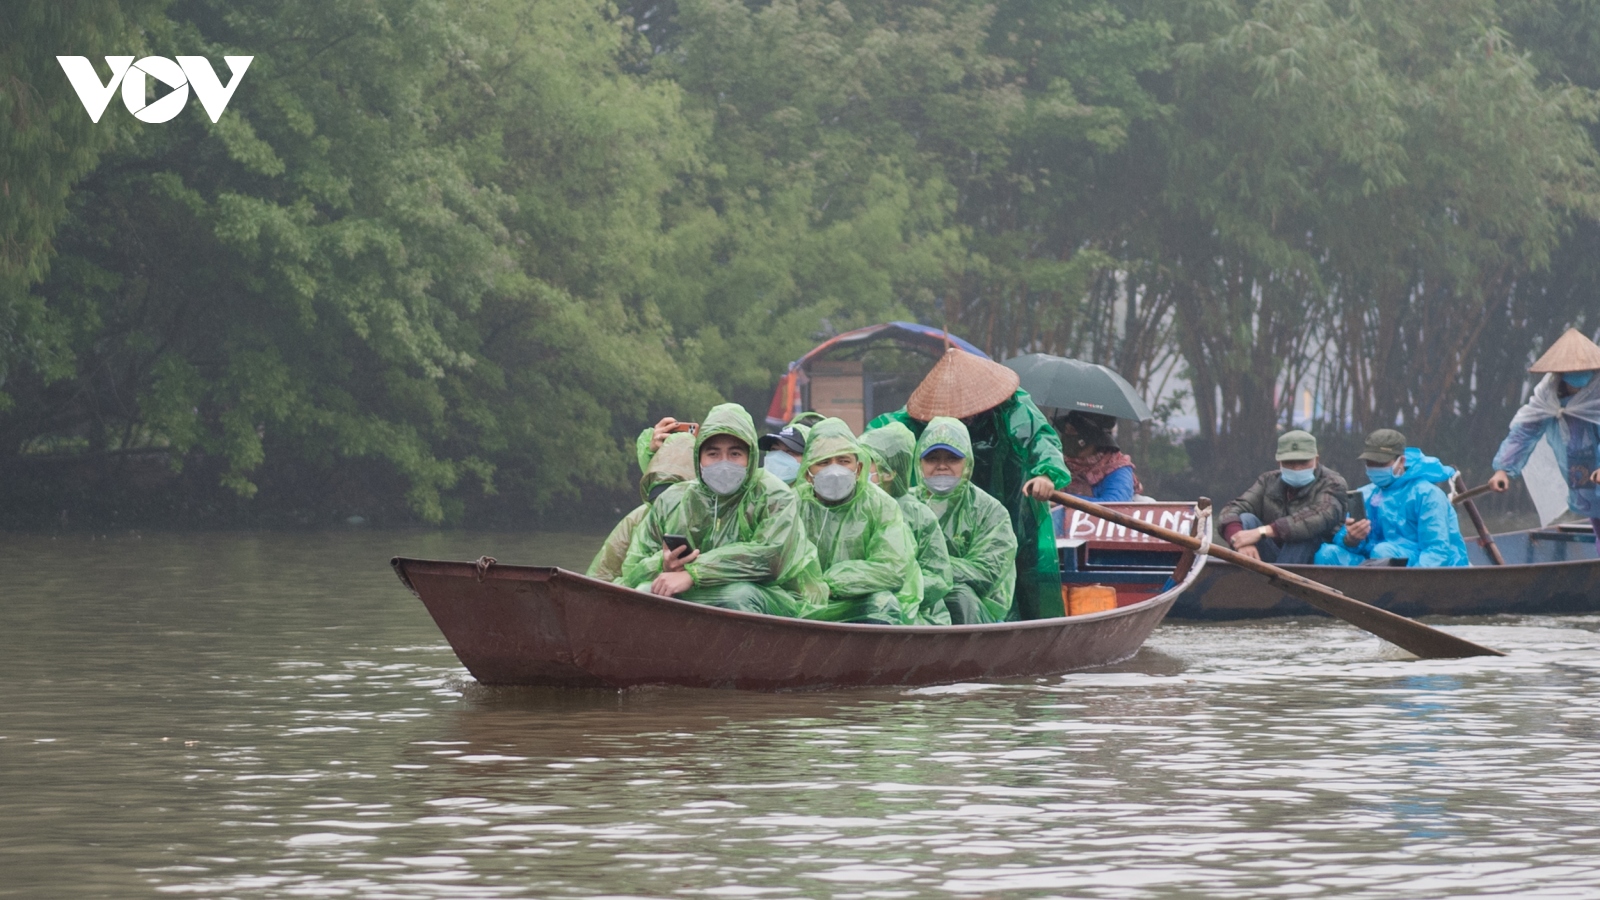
[(187, 72)]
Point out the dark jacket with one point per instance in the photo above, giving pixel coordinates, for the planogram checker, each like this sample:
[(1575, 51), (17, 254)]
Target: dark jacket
[(1311, 513)]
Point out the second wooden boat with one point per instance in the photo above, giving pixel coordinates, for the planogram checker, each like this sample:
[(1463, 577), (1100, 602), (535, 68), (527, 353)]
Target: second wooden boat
[(1548, 571)]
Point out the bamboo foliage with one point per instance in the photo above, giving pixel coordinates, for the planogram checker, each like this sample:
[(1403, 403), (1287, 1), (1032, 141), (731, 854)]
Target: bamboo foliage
[(455, 259)]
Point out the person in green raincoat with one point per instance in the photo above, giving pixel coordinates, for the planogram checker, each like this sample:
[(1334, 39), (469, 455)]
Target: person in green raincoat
[(672, 464), (867, 554), (1017, 460), (653, 436), (747, 545), (977, 529), (893, 448)]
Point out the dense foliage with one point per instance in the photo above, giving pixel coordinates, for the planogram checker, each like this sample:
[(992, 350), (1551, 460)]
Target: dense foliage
[(440, 259)]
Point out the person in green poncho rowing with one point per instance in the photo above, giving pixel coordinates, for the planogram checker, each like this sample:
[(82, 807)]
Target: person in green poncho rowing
[(893, 448), (746, 544), (1016, 460), (977, 529), (867, 554)]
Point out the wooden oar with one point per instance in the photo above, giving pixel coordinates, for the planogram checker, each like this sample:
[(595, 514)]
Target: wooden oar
[(1419, 639), (1485, 539)]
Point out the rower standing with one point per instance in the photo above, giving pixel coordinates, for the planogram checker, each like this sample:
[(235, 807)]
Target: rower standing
[(1565, 411)]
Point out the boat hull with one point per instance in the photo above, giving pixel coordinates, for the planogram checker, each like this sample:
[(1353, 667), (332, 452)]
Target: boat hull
[(1549, 573), (524, 625)]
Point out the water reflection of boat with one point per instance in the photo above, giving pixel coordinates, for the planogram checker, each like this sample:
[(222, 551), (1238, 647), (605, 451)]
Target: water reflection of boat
[(1548, 570), (535, 625)]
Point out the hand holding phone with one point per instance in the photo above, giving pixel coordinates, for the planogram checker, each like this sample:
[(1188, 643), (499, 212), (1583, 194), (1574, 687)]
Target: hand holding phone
[(1355, 503), (675, 553)]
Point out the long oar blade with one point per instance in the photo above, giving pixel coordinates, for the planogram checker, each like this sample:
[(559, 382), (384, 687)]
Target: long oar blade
[(1414, 637)]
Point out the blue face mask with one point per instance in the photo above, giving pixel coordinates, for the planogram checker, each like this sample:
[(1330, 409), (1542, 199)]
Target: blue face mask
[(781, 464), (1382, 476), (1297, 478), (1577, 379)]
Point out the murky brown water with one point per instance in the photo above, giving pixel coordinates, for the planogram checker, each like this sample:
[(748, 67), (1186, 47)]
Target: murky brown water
[(275, 716)]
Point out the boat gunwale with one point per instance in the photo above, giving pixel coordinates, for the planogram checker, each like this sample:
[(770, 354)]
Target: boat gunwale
[(1306, 568), (511, 572)]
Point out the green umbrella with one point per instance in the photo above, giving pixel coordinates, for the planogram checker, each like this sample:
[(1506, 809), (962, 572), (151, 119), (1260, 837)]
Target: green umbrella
[(1069, 384)]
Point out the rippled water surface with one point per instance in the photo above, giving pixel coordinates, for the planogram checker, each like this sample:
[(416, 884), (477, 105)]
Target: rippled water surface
[(275, 716)]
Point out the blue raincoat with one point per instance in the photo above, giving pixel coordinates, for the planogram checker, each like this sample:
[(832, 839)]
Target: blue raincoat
[(1411, 518)]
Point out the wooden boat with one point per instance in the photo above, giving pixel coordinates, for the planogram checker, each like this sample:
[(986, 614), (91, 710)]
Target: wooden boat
[(531, 625), (1548, 570)]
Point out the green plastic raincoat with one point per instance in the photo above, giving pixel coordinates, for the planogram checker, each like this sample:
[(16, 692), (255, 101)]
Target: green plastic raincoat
[(867, 554), (893, 448), (674, 463), (1013, 444), (977, 530), (754, 555), (641, 447)]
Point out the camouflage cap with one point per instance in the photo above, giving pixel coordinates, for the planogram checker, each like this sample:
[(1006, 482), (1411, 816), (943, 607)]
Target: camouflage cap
[(1384, 446), (1296, 446)]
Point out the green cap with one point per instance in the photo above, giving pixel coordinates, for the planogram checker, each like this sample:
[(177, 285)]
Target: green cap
[(1384, 446), (1296, 446)]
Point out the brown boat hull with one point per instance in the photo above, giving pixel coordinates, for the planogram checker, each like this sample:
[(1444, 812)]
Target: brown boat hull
[(522, 625), (1551, 573)]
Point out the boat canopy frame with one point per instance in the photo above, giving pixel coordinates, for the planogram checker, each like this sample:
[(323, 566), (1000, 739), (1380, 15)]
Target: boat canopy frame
[(786, 397)]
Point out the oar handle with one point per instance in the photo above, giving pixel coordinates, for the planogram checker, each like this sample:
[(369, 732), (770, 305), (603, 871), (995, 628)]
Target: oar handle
[(1467, 495)]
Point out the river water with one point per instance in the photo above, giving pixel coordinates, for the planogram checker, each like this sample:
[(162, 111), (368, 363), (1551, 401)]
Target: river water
[(273, 715)]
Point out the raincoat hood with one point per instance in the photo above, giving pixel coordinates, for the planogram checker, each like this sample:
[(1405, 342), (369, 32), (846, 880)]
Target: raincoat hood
[(892, 447), (1422, 468), (945, 430), (830, 438), (673, 463), (730, 419)]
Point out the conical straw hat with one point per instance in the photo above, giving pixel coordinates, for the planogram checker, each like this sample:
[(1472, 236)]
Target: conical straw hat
[(961, 385), (1571, 353)]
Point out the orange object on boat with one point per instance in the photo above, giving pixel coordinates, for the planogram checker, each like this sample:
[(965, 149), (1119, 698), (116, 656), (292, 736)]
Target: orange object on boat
[(1090, 598)]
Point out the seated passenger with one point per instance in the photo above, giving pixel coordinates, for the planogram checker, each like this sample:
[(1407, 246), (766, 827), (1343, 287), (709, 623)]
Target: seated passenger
[(866, 552), (747, 546), (650, 439), (782, 451), (1408, 516), (674, 463), (1100, 470), (893, 447), (1290, 511), (977, 528)]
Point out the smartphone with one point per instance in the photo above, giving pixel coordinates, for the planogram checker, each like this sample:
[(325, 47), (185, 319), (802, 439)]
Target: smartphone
[(1355, 504), (674, 541), (681, 427)]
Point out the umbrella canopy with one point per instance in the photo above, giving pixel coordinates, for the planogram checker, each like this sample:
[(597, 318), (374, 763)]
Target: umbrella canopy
[(1069, 384)]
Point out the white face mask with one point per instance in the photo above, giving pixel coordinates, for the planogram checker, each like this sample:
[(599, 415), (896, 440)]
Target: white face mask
[(942, 484), (723, 477), (781, 464), (834, 483)]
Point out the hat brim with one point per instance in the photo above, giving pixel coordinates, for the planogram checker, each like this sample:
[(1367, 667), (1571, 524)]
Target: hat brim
[(1378, 456), (776, 441), (1296, 456), (957, 453)]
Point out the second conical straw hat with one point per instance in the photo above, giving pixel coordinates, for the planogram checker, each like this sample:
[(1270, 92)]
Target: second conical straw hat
[(1572, 352), (961, 385)]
